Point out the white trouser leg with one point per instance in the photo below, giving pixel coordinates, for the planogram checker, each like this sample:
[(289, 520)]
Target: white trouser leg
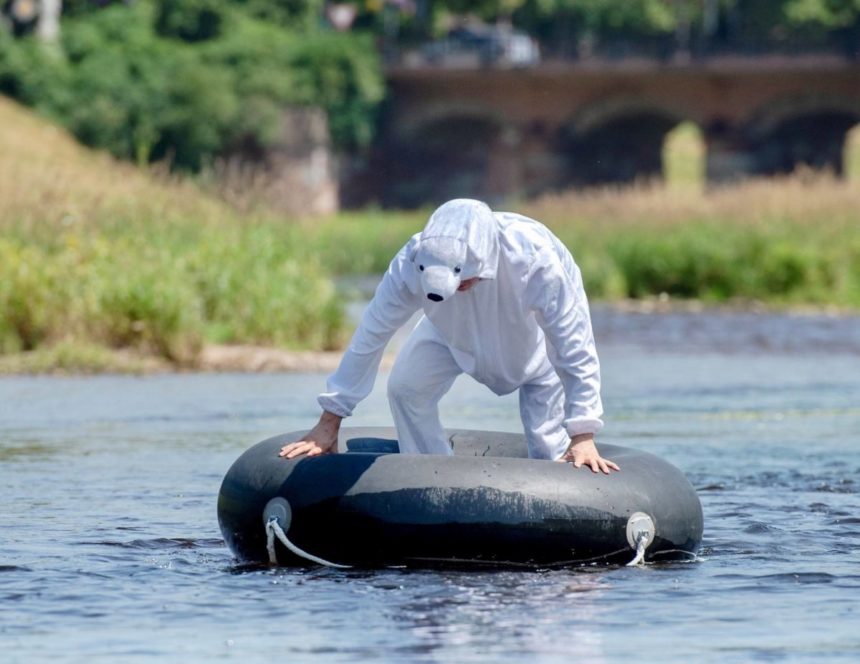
[(423, 372), (542, 413)]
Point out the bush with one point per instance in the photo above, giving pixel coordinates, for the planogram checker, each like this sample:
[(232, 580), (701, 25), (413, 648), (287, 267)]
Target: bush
[(699, 261), (341, 76), (190, 20), (259, 287), (188, 80), (96, 253), (166, 296), (28, 296), (274, 67), (296, 14), (150, 306)]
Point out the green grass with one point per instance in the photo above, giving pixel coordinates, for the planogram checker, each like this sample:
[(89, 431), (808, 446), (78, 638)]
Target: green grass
[(782, 241), (792, 241), (96, 252), (77, 358), (97, 256), (785, 242), (362, 242)]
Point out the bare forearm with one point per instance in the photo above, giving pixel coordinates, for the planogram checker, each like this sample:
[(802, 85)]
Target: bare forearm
[(330, 422)]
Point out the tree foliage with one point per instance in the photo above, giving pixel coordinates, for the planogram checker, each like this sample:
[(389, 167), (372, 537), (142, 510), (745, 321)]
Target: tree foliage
[(823, 14), (192, 79), (188, 80)]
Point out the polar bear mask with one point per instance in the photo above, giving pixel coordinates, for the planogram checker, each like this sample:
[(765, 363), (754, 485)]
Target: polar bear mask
[(459, 242)]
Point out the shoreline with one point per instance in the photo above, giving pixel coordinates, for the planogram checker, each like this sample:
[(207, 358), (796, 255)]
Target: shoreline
[(663, 304), (728, 327)]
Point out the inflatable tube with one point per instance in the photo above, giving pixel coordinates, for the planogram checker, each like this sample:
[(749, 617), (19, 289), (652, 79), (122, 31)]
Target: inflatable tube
[(488, 504)]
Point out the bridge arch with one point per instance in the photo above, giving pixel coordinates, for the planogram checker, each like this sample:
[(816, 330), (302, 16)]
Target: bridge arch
[(417, 120), (554, 126), (802, 130), (451, 151), (618, 140)]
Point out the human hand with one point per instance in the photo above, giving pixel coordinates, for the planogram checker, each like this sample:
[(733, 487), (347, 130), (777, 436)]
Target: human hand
[(322, 439), (582, 451)]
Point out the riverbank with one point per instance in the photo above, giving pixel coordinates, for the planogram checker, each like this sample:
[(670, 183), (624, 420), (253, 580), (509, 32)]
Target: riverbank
[(792, 241), (658, 324), (97, 253), (75, 359), (104, 267)]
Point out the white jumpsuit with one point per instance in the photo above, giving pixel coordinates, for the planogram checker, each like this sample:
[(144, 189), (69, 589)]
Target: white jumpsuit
[(525, 326)]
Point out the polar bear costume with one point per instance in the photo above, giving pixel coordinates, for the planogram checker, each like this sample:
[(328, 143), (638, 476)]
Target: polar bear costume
[(525, 326)]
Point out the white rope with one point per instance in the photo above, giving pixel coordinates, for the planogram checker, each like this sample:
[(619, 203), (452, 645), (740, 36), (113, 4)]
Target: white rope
[(273, 529), (270, 541), (641, 545)]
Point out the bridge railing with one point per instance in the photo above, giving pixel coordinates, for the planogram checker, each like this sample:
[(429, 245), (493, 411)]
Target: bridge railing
[(523, 51)]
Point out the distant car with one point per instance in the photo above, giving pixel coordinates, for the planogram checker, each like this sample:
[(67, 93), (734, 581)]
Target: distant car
[(484, 45)]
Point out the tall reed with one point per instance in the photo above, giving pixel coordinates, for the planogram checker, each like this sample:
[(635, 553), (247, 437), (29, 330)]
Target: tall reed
[(93, 250), (785, 241), (97, 254)]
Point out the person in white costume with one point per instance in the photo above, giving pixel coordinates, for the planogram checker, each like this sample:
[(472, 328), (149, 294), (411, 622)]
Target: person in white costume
[(503, 302)]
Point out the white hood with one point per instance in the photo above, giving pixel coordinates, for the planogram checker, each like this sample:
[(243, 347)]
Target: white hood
[(460, 241)]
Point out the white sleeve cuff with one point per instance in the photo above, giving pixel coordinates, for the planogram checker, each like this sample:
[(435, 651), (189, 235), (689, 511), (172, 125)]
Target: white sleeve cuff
[(579, 426), (332, 406)]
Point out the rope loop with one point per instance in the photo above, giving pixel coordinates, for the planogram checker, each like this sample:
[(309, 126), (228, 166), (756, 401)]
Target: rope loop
[(641, 545), (273, 529)]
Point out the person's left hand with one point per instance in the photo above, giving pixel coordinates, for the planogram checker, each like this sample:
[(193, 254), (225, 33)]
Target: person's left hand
[(582, 451)]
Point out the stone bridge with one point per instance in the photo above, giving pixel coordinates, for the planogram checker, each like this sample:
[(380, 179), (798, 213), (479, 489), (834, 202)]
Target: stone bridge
[(514, 133)]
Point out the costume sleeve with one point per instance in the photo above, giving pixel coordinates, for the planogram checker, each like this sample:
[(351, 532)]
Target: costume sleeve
[(556, 295), (394, 302)]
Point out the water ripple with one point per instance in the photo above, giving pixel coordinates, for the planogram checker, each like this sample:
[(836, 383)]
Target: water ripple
[(110, 535), (157, 544)]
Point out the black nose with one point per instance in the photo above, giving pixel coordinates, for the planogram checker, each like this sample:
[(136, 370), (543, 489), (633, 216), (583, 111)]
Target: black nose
[(434, 297)]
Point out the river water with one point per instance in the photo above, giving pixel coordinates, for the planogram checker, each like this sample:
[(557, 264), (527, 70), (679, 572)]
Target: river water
[(110, 549)]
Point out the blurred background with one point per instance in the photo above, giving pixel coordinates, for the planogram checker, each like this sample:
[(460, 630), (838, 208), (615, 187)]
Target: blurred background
[(188, 173)]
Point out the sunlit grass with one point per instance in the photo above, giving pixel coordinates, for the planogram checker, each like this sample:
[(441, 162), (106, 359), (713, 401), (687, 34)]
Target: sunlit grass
[(96, 251), (793, 240), (684, 157), (787, 241), (96, 254), (76, 357)]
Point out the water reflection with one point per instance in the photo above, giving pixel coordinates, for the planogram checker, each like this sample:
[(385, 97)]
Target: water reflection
[(466, 612), (451, 616)]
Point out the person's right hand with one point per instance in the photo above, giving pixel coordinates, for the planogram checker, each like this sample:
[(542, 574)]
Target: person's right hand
[(322, 439)]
